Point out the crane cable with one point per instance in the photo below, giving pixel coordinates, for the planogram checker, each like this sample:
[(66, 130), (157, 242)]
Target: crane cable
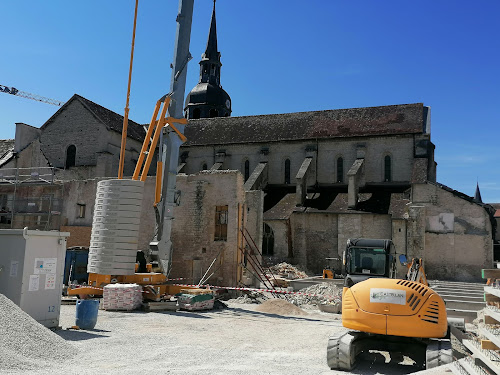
[(125, 118)]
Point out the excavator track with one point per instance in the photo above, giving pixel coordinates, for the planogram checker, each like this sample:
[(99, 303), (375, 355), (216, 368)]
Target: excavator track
[(438, 352), (340, 352)]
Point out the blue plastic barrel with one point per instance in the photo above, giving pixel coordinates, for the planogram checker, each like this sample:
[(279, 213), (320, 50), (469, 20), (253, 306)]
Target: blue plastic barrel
[(86, 313)]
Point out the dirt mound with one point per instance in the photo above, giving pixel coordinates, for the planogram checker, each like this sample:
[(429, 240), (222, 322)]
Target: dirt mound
[(280, 307), (25, 344)]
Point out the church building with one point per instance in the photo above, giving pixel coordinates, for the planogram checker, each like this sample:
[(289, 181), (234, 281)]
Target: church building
[(302, 182)]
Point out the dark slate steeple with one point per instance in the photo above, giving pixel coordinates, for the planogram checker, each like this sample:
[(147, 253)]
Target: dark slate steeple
[(477, 195), (208, 98)]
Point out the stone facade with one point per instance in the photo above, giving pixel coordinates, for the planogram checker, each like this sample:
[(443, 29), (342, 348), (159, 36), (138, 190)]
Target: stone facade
[(193, 235), (193, 228), (303, 183), (75, 124), (456, 233)]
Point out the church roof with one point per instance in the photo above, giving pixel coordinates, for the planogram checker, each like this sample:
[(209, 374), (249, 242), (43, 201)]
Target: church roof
[(351, 122), (6, 150), (110, 119), (6, 145)]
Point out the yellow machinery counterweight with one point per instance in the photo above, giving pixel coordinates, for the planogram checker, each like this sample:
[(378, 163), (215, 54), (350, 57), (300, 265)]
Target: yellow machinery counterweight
[(401, 316)]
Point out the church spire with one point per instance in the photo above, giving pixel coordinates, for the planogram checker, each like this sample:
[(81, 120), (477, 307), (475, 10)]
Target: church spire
[(208, 98), (477, 195), (211, 52), (210, 61)]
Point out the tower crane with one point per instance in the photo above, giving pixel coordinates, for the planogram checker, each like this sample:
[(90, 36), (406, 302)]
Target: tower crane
[(27, 95)]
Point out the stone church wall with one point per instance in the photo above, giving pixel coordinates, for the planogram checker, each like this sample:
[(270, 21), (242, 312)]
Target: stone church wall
[(281, 241), (315, 237), (320, 235), (451, 234), (374, 149), (75, 125)]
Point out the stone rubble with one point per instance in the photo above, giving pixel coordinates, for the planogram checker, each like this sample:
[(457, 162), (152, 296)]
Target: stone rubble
[(325, 293), (251, 297), (287, 271)]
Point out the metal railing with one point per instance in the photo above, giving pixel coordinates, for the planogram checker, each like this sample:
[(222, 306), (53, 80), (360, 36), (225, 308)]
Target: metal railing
[(27, 175)]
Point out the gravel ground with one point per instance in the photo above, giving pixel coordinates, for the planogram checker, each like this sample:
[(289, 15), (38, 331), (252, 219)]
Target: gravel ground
[(237, 340)]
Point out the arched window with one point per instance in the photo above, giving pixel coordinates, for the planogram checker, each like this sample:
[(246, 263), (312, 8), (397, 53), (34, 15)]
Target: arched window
[(204, 167), (247, 169), (70, 156), (196, 113), (267, 240), (340, 169), (287, 171), (214, 113), (387, 169)]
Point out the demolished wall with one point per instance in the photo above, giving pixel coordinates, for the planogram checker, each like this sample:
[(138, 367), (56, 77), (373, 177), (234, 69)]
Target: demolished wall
[(452, 234)]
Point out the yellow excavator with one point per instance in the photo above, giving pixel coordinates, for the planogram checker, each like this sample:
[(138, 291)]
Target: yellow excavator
[(401, 316)]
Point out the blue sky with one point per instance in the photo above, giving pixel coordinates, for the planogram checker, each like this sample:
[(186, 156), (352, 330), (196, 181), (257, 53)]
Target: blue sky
[(278, 56)]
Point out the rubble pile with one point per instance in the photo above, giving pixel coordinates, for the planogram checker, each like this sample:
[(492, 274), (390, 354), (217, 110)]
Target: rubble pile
[(324, 292), (287, 271), (251, 297)]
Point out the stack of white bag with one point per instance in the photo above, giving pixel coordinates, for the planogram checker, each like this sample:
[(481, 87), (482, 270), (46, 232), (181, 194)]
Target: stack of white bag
[(121, 297)]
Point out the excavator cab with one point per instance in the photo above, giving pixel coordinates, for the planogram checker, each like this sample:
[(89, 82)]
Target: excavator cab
[(365, 258)]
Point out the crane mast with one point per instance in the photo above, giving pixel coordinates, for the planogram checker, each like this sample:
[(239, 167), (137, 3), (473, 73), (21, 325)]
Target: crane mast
[(27, 95), (170, 142)]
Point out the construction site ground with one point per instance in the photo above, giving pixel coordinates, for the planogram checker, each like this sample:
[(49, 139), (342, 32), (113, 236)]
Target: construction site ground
[(234, 340)]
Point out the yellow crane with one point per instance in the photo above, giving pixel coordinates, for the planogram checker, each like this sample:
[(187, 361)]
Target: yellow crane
[(27, 95)]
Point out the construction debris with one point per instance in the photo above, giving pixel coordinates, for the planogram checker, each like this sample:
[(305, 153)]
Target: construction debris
[(287, 271), (251, 297), (280, 307), (25, 344), (317, 294)]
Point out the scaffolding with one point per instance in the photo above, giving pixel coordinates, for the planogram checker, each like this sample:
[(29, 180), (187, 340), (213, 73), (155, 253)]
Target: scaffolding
[(30, 197)]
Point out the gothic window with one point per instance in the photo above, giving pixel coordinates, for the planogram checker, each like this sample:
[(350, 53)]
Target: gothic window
[(267, 240), (247, 169), (340, 169), (70, 156), (196, 113), (220, 223), (287, 171), (214, 112), (387, 169)]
